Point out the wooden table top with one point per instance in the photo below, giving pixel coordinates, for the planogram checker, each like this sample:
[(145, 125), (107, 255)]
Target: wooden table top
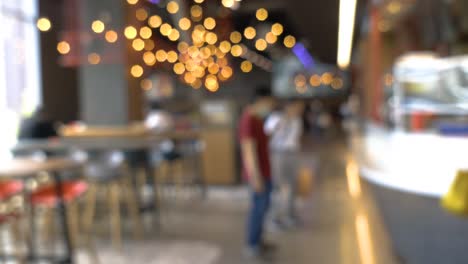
[(17, 168)]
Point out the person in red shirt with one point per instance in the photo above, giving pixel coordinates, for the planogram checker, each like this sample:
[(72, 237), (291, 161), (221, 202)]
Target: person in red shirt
[(256, 165)]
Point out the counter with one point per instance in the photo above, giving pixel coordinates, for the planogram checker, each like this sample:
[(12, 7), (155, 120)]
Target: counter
[(407, 174)]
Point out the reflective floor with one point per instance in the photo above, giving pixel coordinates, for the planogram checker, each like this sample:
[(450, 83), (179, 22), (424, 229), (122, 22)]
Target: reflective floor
[(340, 224)]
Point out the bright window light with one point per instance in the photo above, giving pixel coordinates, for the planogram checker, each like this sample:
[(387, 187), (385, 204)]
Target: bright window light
[(346, 32)]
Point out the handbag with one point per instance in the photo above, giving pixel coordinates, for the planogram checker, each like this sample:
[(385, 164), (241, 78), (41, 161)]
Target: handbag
[(456, 200)]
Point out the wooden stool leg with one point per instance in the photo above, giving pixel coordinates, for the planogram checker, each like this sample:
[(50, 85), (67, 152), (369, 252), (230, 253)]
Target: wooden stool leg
[(133, 208), (49, 227), (90, 210), (73, 223), (114, 206), (18, 237)]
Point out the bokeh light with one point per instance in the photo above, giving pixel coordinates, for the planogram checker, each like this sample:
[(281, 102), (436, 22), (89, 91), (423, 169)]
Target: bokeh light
[(175, 35), (130, 32), (289, 41), (149, 44), (315, 80), (271, 38), (261, 44), (179, 68), (161, 55), (185, 23), (211, 38), (235, 37), (277, 29), (63, 47), (155, 21), (250, 33), (236, 50), (44, 24), (225, 46), (149, 58), (246, 66), (111, 36), (138, 44), (132, 2), (327, 78), (172, 7), (209, 23), (136, 71), (228, 3), (172, 56), (146, 32), (337, 83), (262, 14), (98, 26), (146, 84), (94, 58), (141, 14), (165, 29)]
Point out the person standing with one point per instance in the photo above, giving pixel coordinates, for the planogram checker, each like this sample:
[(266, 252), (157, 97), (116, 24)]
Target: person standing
[(256, 163), (285, 147)]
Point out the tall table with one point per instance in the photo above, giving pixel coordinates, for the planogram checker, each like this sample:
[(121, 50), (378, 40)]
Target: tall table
[(24, 169)]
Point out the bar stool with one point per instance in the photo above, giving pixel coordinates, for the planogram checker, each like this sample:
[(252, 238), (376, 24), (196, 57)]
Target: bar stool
[(47, 198), (10, 212), (109, 174)]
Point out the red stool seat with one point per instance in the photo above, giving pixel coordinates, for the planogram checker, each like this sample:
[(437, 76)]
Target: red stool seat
[(47, 196), (10, 188)]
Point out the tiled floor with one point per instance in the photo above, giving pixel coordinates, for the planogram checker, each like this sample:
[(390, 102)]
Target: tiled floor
[(341, 225)]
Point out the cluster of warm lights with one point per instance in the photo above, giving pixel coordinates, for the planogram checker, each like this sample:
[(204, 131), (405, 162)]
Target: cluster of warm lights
[(202, 61), (301, 82)]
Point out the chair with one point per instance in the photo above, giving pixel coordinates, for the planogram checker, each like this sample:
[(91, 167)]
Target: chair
[(108, 173), (11, 205)]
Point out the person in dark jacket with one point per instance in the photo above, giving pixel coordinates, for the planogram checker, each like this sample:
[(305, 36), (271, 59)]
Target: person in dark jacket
[(38, 126)]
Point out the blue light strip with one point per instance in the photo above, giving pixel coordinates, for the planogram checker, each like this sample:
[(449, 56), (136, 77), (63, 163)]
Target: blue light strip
[(304, 56)]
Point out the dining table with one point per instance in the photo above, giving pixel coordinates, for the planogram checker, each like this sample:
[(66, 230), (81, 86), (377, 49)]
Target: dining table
[(24, 169)]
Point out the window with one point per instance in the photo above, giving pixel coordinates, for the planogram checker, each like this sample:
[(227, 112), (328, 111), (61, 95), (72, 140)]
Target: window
[(19, 65)]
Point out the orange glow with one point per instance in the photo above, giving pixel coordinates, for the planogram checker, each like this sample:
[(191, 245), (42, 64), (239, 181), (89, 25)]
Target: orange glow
[(196, 11), (132, 2), (315, 80), (172, 56), (211, 83), (327, 78), (262, 14), (250, 33), (228, 3), (138, 44), (364, 239), (172, 7), (246, 66), (149, 58), (98, 26), (94, 58), (149, 44), (236, 37), (44, 24), (111, 36), (289, 41), (130, 32), (300, 81), (175, 35), (271, 38), (165, 29), (179, 68), (227, 72), (161, 55), (337, 83), (141, 14), (185, 23), (136, 71), (146, 32), (236, 51), (225, 46), (211, 38), (182, 47), (209, 23), (63, 47), (261, 44), (155, 21), (213, 69), (146, 84), (277, 29)]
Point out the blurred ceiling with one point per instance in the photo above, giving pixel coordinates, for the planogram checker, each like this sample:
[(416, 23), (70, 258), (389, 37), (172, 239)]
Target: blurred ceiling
[(314, 22)]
